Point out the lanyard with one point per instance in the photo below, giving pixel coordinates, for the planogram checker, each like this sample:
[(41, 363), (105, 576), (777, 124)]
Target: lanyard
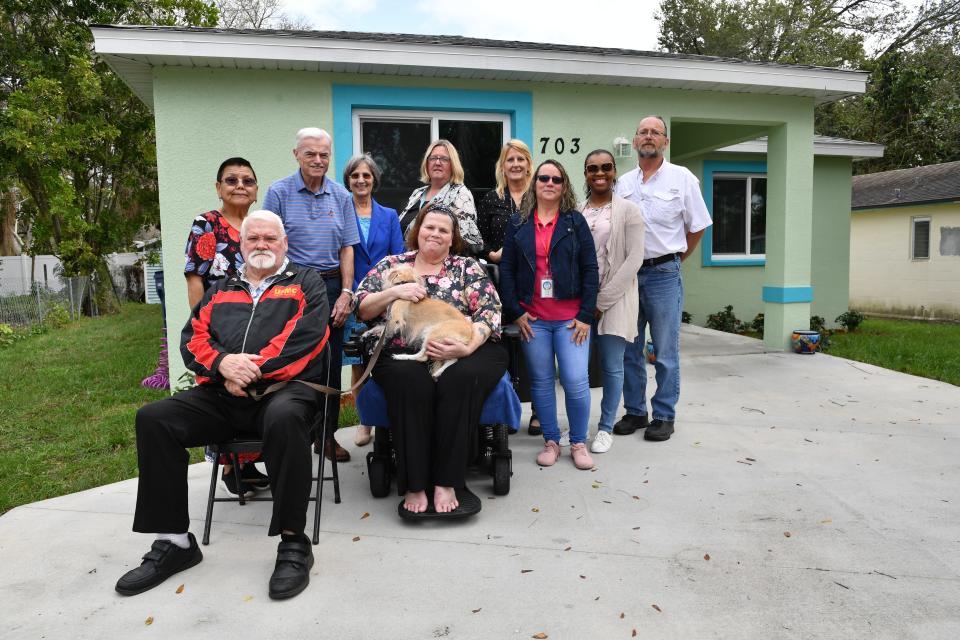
[(548, 236)]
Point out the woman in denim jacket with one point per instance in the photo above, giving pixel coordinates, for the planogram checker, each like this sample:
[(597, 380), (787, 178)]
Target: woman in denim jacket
[(549, 282)]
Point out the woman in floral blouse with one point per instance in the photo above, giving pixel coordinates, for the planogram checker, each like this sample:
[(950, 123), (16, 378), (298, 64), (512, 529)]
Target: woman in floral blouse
[(213, 253), (431, 420), (442, 175), (213, 246)]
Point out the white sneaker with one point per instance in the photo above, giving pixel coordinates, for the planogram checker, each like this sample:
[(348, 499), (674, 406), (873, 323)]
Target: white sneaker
[(601, 442)]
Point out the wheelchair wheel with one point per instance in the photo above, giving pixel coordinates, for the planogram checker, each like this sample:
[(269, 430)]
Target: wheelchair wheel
[(501, 475), (378, 470), (500, 442)]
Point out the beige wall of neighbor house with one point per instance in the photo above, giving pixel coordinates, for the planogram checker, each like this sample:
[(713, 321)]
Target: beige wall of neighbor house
[(886, 279)]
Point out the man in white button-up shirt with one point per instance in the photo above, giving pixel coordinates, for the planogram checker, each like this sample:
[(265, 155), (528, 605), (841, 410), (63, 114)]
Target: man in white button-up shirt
[(675, 216)]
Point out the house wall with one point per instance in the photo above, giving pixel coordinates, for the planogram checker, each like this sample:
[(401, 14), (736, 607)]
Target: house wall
[(206, 115), (883, 277), (710, 286)]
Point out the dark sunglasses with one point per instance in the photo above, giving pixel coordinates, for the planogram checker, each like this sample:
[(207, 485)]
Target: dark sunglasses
[(553, 179), (234, 181), (606, 167)]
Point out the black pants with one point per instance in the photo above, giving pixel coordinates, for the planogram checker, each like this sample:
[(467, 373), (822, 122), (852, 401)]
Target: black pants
[(432, 420), (206, 415), (335, 349)]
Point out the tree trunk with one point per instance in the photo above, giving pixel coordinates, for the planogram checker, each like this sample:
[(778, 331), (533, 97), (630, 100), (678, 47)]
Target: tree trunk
[(9, 243)]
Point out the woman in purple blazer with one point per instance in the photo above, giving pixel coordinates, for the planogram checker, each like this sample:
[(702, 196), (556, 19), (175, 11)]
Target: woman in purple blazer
[(380, 236)]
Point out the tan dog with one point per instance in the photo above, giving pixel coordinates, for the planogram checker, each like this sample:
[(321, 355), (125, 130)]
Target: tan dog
[(420, 322)]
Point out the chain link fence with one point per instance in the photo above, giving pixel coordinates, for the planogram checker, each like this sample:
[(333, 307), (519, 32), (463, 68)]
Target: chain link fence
[(29, 309)]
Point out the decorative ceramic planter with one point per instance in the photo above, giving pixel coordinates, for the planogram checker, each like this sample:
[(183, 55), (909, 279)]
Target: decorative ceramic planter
[(651, 352), (805, 342)]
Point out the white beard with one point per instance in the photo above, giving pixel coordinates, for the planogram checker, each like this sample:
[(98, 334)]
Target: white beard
[(263, 259)]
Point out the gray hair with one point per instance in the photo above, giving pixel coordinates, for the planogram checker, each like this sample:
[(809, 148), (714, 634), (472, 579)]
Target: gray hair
[(356, 161), (266, 216), (311, 132), (666, 131)]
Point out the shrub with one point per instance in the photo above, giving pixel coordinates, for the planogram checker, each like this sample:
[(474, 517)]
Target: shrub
[(685, 317), (757, 324), (817, 323), (56, 317), (850, 319), (7, 335), (725, 320)]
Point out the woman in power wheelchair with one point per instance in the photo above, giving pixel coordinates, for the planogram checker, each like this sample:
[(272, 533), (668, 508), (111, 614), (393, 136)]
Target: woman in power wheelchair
[(432, 420)]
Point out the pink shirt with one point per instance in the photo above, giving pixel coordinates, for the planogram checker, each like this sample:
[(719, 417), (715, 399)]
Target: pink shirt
[(547, 308)]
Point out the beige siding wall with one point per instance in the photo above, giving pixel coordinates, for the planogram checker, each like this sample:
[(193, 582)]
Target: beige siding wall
[(883, 277)]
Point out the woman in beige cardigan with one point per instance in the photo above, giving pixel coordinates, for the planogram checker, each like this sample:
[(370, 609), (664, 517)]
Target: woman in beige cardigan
[(618, 229)]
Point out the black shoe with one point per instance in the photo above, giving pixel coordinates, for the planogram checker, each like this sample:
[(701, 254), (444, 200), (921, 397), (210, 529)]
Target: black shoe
[(629, 423), (251, 476), (229, 482), (162, 561), (659, 430), (534, 429), (292, 572)]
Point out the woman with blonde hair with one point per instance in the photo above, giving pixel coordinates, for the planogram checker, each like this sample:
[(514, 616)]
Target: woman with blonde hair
[(514, 167), (442, 175)]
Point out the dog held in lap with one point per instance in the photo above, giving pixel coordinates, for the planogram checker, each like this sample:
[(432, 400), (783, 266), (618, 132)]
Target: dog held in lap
[(421, 322)]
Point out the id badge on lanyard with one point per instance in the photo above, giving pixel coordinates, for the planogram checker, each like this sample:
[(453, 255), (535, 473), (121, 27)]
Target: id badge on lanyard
[(546, 282)]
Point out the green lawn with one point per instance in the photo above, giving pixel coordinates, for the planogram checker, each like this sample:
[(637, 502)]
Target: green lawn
[(68, 403), (930, 350)]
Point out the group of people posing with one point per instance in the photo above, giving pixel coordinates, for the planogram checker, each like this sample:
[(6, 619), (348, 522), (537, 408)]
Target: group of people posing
[(273, 292)]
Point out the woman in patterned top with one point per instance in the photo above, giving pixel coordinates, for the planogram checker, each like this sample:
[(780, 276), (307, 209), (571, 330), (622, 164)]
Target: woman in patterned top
[(513, 178), (431, 419), (442, 175), (213, 246), (213, 253)]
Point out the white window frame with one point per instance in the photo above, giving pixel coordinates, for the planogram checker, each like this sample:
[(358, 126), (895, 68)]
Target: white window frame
[(720, 257), (913, 236), (433, 117)]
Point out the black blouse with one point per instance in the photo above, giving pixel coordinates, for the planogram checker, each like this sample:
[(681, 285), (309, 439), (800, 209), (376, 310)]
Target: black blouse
[(493, 213)]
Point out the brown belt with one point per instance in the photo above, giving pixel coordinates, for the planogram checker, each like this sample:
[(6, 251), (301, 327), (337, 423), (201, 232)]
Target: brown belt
[(330, 273)]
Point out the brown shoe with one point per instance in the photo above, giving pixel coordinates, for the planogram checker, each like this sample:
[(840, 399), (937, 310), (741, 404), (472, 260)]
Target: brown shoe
[(331, 446)]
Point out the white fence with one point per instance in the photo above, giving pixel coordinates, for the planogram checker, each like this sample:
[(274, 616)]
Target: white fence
[(19, 273)]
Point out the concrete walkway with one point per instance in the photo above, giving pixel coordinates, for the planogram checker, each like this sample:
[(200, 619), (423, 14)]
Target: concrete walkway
[(802, 497)]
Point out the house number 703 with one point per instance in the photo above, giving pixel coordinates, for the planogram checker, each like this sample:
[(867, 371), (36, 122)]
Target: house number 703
[(560, 145)]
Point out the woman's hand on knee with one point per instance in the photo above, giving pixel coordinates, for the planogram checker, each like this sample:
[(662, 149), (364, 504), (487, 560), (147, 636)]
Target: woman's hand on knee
[(523, 323), (580, 331)]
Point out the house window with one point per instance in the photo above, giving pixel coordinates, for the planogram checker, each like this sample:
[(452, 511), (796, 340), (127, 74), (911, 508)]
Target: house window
[(397, 140), (739, 216), (920, 239)]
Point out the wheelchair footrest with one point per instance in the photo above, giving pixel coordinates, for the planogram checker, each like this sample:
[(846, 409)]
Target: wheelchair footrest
[(470, 505)]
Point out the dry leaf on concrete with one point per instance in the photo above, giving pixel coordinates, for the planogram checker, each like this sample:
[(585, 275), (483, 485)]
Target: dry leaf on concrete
[(706, 556), (365, 515), (525, 570), (540, 636), (786, 534), (180, 589), (148, 621), (476, 610), (659, 610), (356, 538)]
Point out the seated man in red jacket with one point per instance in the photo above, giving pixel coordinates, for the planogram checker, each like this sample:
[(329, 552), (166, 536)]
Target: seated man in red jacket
[(266, 324)]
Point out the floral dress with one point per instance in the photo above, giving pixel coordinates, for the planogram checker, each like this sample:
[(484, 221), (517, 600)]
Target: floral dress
[(462, 282), (213, 248)]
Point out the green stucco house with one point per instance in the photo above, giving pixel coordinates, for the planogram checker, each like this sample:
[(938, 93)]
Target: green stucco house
[(779, 195)]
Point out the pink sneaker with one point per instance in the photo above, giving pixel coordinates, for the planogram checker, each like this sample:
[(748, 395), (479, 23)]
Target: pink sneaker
[(581, 458), (549, 455)]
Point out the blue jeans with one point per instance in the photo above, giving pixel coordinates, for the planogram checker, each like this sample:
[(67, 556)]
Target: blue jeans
[(661, 305), (551, 343), (611, 349)]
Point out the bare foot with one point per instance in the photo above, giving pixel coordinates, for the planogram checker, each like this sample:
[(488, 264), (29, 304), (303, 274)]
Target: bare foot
[(445, 499), (415, 501)]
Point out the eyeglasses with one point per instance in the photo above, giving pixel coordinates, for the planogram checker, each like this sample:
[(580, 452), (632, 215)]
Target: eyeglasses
[(443, 159), (553, 179), (606, 167), (357, 175), (234, 181), (653, 133)]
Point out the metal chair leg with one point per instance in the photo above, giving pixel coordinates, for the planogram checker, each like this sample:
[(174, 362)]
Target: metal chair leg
[(210, 496)]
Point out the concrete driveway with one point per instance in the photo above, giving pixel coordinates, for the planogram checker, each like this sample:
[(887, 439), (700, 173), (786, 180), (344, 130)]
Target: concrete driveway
[(801, 497)]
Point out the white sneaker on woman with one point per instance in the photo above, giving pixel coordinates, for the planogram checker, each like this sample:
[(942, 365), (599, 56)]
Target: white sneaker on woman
[(601, 442)]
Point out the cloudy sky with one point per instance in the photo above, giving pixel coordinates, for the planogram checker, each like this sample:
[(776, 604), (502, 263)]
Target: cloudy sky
[(609, 23)]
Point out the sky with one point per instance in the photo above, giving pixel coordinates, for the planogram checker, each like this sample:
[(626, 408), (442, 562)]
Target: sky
[(611, 23)]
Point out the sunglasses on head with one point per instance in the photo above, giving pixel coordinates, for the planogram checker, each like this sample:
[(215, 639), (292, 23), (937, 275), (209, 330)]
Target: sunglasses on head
[(234, 181), (553, 179), (606, 167)]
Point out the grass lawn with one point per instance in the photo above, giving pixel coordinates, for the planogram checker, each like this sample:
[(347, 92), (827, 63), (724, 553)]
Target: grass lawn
[(930, 350), (68, 404)]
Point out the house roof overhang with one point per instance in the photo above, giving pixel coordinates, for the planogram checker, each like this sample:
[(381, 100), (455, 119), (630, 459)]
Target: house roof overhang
[(822, 146), (133, 52)]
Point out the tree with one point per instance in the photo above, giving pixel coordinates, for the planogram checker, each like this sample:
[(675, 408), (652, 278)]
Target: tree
[(258, 14), (911, 104), (74, 140)]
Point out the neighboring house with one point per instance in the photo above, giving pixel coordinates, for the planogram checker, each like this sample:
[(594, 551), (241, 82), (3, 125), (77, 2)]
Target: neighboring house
[(905, 242), (780, 245)]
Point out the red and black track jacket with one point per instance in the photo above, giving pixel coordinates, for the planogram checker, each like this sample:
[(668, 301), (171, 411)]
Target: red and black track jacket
[(287, 328)]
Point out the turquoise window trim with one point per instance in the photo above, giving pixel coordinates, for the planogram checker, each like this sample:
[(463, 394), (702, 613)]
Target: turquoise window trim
[(787, 295), (346, 98), (711, 167)]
